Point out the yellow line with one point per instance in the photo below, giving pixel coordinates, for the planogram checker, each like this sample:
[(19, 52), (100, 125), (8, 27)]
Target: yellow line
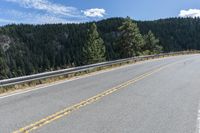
[(91, 100)]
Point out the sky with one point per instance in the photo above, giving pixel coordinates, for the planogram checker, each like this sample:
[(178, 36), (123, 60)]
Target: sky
[(76, 11)]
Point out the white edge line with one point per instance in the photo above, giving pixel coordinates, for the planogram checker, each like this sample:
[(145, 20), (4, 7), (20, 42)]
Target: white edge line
[(77, 78), (198, 120)]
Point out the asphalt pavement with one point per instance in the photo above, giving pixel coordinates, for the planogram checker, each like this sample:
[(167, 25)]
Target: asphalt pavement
[(164, 100)]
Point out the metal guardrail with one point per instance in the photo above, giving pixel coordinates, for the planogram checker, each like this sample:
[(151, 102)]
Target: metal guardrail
[(45, 75)]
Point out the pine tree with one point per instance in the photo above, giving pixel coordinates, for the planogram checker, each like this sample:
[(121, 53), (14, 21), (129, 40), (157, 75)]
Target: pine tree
[(94, 49), (3, 66), (130, 40), (151, 44)]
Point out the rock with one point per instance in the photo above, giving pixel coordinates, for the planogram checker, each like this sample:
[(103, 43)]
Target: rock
[(5, 42)]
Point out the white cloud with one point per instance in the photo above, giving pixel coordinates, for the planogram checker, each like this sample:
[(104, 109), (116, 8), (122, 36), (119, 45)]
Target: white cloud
[(7, 21), (190, 13), (43, 19), (32, 18), (47, 11), (94, 12), (48, 6)]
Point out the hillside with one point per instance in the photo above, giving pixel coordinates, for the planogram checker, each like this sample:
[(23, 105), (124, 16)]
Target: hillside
[(29, 49)]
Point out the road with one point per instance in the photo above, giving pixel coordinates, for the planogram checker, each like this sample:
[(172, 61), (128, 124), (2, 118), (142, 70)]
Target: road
[(156, 96)]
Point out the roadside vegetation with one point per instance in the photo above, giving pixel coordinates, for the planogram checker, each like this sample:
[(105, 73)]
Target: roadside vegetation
[(30, 49)]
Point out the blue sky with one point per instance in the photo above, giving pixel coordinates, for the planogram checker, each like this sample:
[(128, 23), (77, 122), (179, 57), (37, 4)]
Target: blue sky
[(75, 11)]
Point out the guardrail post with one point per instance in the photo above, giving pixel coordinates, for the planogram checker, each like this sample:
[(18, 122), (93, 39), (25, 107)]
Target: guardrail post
[(46, 75)]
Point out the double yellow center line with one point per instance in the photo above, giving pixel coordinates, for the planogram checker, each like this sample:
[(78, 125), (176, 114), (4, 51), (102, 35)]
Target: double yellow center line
[(91, 100)]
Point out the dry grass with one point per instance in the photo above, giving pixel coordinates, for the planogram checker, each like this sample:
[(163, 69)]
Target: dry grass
[(67, 76)]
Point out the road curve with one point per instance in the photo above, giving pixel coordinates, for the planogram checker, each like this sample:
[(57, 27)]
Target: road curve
[(156, 96)]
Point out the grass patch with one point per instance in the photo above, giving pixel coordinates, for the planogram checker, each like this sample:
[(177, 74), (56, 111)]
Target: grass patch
[(69, 76)]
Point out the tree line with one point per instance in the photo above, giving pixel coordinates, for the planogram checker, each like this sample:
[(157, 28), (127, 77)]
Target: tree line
[(29, 49)]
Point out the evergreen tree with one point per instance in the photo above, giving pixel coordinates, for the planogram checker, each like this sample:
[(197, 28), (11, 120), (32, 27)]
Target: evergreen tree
[(3, 66), (130, 40), (30, 49), (151, 44), (94, 49)]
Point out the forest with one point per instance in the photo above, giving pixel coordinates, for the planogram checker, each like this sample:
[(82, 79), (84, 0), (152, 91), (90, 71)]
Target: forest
[(28, 49)]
